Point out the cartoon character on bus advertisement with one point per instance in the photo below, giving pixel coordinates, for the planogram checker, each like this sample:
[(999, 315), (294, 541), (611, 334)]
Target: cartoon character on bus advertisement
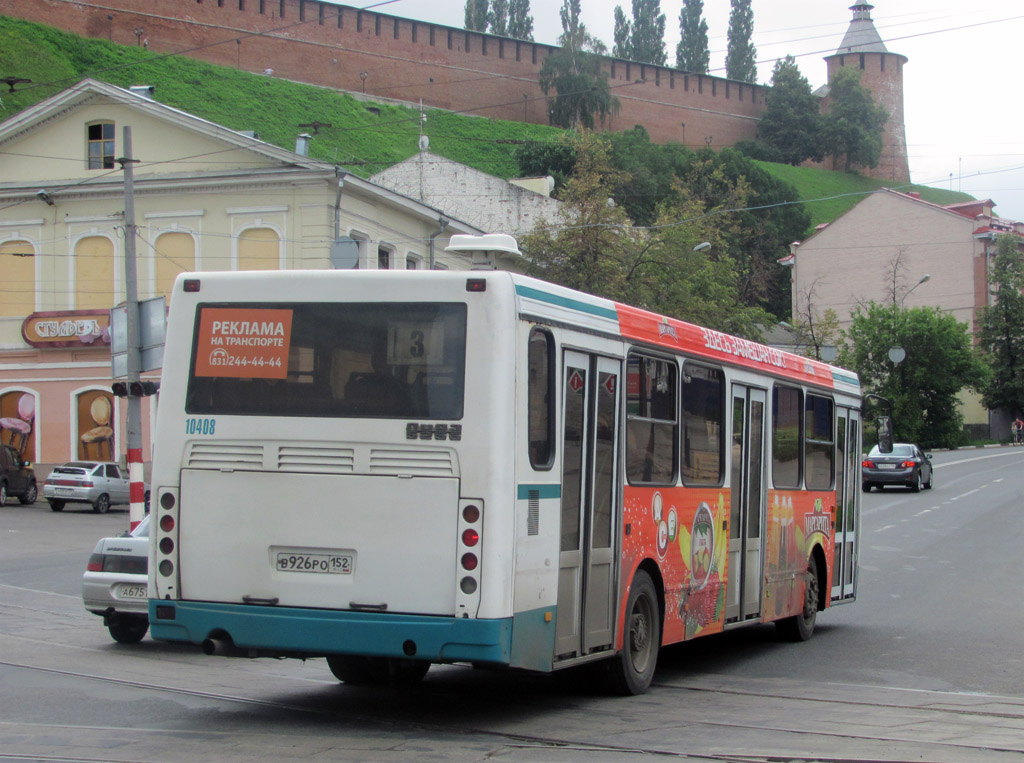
[(689, 545), (703, 602)]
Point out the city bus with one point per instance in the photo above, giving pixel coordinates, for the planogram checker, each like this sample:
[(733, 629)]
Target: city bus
[(394, 469)]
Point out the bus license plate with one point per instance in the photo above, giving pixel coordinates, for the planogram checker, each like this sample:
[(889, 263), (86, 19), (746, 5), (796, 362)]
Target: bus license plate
[(127, 591), (330, 564)]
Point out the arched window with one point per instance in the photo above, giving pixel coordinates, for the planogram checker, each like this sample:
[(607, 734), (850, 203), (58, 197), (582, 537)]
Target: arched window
[(174, 253), (18, 286), (259, 249), (94, 273), (18, 421), (95, 422), (100, 145)]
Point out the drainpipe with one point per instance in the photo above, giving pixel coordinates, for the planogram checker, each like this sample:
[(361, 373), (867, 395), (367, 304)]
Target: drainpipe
[(443, 222), (337, 203)]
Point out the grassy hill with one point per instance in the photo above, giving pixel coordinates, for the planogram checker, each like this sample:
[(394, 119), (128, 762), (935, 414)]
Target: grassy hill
[(365, 136)]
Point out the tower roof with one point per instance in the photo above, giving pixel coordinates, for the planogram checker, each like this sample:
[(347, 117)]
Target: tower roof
[(861, 36)]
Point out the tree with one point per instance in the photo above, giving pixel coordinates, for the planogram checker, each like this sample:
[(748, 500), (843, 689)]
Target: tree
[(593, 246), (1001, 329), (814, 329), (692, 54), (588, 245), (939, 363), (476, 15), (497, 17), (520, 21), (621, 47), (576, 75), (647, 36), (852, 126), (741, 55), (791, 121)]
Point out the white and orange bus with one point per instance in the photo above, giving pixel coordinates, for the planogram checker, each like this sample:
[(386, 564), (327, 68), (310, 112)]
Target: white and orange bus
[(393, 469)]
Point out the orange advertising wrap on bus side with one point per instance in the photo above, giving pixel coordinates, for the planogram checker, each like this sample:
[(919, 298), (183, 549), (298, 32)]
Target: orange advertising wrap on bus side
[(714, 345), (243, 343), (687, 531)]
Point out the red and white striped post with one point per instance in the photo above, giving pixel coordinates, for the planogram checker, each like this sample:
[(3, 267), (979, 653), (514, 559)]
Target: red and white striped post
[(133, 423)]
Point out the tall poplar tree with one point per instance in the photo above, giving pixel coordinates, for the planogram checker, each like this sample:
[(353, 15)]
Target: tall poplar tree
[(497, 17), (476, 15), (692, 54), (647, 36), (520, 21), (741, 55), (621, 47), (576, 75)]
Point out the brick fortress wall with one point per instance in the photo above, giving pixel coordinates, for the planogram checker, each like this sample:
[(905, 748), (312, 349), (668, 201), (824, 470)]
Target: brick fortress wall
[(449, 68)]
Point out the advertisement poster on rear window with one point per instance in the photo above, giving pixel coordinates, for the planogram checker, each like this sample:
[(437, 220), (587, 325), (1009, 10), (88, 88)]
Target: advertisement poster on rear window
[(243, 343)]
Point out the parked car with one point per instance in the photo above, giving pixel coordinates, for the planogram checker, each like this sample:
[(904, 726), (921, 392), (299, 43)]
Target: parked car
[(100, 483), (16, 477), (907, 466), (115, 586)]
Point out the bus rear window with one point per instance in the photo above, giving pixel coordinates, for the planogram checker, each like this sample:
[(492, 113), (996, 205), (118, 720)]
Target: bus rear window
[(376, 360)]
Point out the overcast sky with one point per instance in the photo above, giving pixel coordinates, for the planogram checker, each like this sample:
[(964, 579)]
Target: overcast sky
[(962, 83)]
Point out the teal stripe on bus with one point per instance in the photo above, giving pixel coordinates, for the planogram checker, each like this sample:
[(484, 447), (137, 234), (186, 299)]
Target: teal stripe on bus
[(543, 491), (572, 304), (844, 378)]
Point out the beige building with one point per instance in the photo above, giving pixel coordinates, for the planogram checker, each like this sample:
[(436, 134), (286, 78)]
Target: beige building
[(895, 246), (206, 198)]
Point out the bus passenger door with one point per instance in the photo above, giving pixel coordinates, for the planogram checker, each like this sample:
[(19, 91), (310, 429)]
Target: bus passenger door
[(590, 489), (848, 475), (746, 509)]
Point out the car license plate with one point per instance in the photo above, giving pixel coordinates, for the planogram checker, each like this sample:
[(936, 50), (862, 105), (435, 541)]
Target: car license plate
[(331, 564), (129, 591), (887, 466), (65, 491)]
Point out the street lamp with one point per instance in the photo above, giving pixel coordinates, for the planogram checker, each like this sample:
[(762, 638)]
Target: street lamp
[(925, 277), (898, 354)]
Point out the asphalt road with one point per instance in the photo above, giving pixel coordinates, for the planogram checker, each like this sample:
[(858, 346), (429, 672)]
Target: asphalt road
[(925, 666)]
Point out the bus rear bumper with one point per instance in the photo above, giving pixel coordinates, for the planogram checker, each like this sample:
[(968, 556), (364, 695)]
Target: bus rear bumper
[(285, 631)]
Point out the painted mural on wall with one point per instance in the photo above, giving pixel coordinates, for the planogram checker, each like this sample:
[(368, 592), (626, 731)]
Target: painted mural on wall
[(95, 417), (17, 422)]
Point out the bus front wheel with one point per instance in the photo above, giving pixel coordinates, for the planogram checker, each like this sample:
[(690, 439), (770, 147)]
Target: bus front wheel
[(632, 669)]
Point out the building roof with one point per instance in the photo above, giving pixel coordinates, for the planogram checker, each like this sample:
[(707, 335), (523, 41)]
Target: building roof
[(861, 36)]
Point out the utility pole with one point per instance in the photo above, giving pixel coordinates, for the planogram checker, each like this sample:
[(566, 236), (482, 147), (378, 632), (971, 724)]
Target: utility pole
[(134, 420)]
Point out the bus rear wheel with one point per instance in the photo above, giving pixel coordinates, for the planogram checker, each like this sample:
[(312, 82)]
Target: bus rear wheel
[(375, 671), (801, 627), (632, 669)]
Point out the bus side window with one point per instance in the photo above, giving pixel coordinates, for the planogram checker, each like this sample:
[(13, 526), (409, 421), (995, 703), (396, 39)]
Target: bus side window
[(540, 399), (651, 420), (786, 436), (819, 425), (703, 400)]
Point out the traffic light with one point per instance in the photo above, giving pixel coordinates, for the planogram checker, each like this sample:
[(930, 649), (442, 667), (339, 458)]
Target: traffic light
[(135, 389)]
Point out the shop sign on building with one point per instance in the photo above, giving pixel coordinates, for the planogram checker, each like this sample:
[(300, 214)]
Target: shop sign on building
[(67, 328)]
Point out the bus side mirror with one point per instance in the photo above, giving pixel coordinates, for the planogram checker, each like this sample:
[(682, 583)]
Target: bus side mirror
[(885, 434)]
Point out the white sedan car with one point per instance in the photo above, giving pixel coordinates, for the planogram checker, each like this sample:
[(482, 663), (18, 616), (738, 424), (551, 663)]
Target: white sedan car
[(115, 585)]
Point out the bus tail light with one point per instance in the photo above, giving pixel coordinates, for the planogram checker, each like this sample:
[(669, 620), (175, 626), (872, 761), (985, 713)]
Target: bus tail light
[(470, 528), (165, 546)]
